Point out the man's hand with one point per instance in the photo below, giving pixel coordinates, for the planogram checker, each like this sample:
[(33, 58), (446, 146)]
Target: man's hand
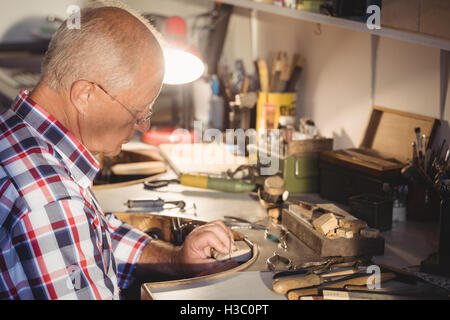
[(194, 256)]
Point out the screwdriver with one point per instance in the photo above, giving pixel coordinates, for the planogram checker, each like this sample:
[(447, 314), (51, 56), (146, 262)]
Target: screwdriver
[(219, 184)]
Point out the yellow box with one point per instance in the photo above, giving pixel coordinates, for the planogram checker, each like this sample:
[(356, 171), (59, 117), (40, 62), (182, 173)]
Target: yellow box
[(268, 108)]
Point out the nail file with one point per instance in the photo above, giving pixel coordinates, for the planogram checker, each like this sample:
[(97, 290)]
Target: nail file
[(241, 252)]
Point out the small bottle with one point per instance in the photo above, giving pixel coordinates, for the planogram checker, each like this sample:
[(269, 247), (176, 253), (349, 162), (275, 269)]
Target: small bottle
[(399, 207), (217, 106)]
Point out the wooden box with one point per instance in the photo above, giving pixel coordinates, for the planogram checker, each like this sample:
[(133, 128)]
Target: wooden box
[(431, 17), (296, 147), (325, 247), (435, 18), (401, 14), (384, 151)]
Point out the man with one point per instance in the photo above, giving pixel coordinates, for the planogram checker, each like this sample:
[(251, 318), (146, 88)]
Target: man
[(98, 85)]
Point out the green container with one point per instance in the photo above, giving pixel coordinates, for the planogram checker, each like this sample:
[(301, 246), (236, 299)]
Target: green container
[(301, 173)]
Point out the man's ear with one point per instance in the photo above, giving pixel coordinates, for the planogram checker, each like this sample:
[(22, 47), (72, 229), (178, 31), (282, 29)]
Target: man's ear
[(81, 94)]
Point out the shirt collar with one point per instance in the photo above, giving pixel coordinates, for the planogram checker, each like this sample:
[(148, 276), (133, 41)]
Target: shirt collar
[(81, 163)]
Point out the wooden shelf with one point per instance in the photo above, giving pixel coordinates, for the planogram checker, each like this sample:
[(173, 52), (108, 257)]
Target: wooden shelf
[(412, 37)]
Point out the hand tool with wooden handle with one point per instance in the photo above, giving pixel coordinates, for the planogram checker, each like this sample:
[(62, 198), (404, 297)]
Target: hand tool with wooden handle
[(296, 294), (282, 286), (220, 184), (139, 168)]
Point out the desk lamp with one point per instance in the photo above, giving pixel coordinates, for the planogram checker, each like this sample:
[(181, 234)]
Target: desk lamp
[(183, 65), (182, 61)]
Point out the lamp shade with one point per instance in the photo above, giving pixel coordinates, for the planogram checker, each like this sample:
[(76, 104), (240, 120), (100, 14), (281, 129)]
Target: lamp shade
[(176, 27), (182, 61)]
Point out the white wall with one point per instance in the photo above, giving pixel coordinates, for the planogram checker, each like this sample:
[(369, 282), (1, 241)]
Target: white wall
[(183, 8), (188, 9), (335, 87), (19, 17)]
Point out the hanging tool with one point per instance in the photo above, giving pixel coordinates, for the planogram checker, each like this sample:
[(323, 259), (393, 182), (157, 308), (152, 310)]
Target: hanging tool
[(358, 281)]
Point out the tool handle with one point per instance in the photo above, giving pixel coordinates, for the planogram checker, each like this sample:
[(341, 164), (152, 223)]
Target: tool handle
[(282, 286), (219, 184), (230, 185), (145, 203), (360, 280), (339, 273), (155, 184), (296, 294)]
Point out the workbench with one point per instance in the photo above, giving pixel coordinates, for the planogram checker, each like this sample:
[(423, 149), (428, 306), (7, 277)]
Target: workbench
[(406, 244)]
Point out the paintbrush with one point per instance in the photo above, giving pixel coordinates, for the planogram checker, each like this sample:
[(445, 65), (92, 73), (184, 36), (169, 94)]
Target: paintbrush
[(419, 144), (414, 154), (295, 74)]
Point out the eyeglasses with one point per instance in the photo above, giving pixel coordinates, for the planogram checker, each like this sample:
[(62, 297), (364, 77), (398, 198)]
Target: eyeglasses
[(138, 121)]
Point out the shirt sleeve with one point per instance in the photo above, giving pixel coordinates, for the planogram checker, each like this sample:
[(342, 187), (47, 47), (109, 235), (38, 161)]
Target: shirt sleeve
[(127, 243), (62, 254)]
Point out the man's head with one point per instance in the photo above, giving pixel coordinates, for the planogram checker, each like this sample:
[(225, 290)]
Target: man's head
[(109, 71)]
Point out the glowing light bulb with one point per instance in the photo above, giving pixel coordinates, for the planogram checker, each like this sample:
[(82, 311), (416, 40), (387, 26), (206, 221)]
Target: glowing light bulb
[(182, 66)]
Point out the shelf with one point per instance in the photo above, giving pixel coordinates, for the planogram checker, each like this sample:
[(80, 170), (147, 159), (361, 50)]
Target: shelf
[(342, 23)]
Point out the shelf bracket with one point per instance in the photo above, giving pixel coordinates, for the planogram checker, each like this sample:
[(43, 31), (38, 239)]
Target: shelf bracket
[(374, 43), (444, 66)]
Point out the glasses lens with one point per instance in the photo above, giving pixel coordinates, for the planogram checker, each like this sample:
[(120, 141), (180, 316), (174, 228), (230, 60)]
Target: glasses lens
[(147, 116)]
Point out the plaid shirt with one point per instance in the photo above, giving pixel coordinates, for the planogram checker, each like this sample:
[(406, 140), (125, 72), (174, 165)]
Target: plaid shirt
[(55, 242)]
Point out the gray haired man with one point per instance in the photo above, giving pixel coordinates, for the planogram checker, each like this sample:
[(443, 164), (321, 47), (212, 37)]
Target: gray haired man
[(97, 87)]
